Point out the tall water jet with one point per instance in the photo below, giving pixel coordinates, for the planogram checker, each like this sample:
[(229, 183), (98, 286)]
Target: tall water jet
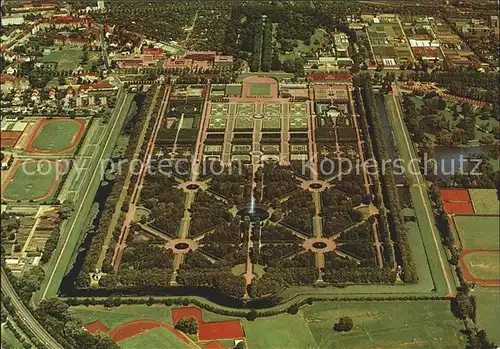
[(252, 204)]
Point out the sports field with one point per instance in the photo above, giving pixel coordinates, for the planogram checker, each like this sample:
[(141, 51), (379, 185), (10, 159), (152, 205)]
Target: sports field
[(55, 136), (65, 59), (485, 201), (477, 232), (125, 313), (487, 310), (483, 265), (156, 338), (31, 180), (260, 89)]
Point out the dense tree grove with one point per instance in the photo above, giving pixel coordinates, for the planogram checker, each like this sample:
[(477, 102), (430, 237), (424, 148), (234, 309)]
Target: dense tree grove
[(198, 271), (276, 233), (234, 184), (143, 265), (58, 319), (466, 83), (338, 210), (341, 270), (166, 202), (279, 182), (206, 213), (160, 21), (187, 325), (344, 324), (225, 247), (280, 272), (298, 211)]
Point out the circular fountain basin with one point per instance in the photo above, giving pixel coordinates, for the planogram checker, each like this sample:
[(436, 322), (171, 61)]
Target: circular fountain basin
[(319, 245), (255, 214)]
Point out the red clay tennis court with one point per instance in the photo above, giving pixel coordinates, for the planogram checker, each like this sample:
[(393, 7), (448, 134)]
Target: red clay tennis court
[(458, 207), (455, 195), (209, 331), (456, 201)]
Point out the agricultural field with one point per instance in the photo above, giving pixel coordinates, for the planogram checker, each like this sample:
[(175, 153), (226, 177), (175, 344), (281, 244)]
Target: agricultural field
[(478, 232), (65, 59), (32, 180), (53, 136)]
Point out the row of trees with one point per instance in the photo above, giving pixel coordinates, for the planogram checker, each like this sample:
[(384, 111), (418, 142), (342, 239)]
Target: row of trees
[(99, 230), (267, 47), (396, 223), (254, 62)]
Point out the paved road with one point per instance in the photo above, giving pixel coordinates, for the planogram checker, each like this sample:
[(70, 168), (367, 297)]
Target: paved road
[(26, 317)]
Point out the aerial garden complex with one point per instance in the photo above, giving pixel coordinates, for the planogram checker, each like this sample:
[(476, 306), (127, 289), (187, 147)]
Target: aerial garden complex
[(249, 175)]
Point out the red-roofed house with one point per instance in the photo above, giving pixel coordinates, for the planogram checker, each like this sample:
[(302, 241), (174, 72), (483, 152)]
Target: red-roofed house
[(201, 55), (97, 87), (138, 61), (157, 53)]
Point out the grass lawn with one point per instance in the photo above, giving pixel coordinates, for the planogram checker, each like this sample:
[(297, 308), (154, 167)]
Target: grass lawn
[(154, 339), (484, 265), (124, 313), (10, 339), (485, 201), (32, 180), (404, 324), (260, 90), (424, 324), (66, 59), (56, 135), (233, 89), (487, 310), (281, 331), (478, 232)]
